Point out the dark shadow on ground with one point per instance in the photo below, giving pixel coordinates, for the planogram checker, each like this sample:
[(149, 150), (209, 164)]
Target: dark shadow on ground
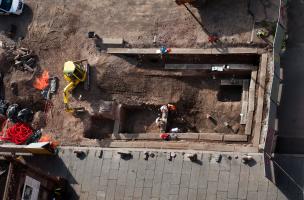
[(286, 172), (230, 17), (54, 166), (17, 24)]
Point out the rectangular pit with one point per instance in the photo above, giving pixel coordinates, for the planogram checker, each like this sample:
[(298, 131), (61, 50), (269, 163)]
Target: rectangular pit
[(209, 102)]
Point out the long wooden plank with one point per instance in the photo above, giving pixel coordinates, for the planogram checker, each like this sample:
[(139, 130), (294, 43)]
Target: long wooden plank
[(181, 51), (244, 102), (241, 67), (251, 99), (252, 90), (260, 101)]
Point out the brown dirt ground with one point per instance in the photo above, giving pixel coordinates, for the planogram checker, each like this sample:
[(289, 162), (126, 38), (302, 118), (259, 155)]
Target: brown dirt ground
[(58, 34)]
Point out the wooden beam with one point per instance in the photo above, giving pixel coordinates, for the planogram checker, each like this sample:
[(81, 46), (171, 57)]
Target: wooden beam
[(241, 67), (182, 51), (260, 101), (245, 97), (251, 99)]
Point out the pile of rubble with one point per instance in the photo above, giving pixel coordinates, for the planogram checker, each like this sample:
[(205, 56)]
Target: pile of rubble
[(22, 58)]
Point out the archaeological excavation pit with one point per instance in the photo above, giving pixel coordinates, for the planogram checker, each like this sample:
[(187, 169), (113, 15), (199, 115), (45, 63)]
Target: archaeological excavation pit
[(214, 95)]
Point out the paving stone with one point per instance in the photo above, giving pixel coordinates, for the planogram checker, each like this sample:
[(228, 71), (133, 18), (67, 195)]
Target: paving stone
[(243, 182), (113, 174), (186, 168), (185, 180), (252, 195), (157, 178), (138, 191), (192, 194), (103, 183), (201, 194), (213, 175), (225, 163), (149, 174), (174, 189), (212, 187), (133, 165), (173, 197), (119, 192), (175, 178), (177, 166), (106, 165), (140, 174), (129, 190), (80, 169), (97, 166), (139, 182), (183, 193), (84, 196), (107, 154), (221, 195), (204, 173), (94, 185), (135, 155), (223, 181), (101, 195), (115, 164), (234, 179), (164, 191), (148, 182), (147, 193), (194, 177), (262, 195), (151, 164), (168, 166), (167, 178), (281, 196), (253, 182), (213, 164), (156, 190), (211, 197), (111, 190), (122, 178), (272, 192)]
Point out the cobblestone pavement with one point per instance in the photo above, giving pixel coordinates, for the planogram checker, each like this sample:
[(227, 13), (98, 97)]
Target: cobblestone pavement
[(106, 176)]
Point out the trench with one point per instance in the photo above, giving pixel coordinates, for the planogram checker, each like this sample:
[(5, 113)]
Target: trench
[(196, 96)]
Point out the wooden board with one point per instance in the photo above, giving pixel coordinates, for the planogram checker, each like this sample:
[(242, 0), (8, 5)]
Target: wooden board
[(183, 51), (251, 99), (260, 101), (240, 67), (245, 97)]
